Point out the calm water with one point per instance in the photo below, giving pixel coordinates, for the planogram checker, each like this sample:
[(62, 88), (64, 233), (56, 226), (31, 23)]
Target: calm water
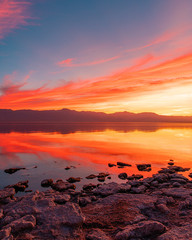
[(89, 148)]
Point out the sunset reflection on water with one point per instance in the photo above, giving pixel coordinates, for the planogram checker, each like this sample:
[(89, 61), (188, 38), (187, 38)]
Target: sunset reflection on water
[(90, 149)]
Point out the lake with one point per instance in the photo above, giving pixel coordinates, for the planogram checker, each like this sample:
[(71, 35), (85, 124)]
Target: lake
[(88, 148)]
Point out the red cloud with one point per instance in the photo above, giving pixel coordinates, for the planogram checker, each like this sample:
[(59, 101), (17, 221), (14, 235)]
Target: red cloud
[(126, 84), (13, 14)]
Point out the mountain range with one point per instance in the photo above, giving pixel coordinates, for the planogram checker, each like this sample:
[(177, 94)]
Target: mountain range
[(67, 115)]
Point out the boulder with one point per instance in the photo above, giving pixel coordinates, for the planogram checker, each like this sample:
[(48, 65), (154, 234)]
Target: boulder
[(97, 234), (47, 182), (62, 186), (73, 179), (13, 170), (122, 176), (141, 230)]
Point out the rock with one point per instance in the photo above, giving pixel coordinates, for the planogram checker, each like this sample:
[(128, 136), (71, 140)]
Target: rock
[(137, 176), (20, 186), (155, 183), (13, 170), (141, 230), (144, 167), (176, 184), (111, 165), (115, 210), (97, 234), (122, 164), (62, 186), (111, 188), (160, 178), (67, 168), (170, 163), (140, 189), (177, 192), (178, 168), (6, 234), (1, 213), (103, 175), (190, 175), (26, 222), (61, 199), (47, 182), (179, 180), (177, 233), (92, 176), (83, 201), (101, 179), (163, 208), (89, 187), (122, 176), (187, 204), (6, 193), (73, 180)]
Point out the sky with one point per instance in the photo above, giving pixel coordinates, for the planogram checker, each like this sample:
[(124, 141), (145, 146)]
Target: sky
[(96, 55)]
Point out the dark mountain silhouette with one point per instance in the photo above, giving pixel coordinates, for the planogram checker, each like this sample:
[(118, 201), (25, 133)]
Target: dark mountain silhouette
[(66, 115)]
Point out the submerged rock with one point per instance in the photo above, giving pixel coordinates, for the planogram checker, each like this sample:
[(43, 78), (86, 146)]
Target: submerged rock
[(47, 182), (13, 170), (73, 179), (122, 176), (144, 167), (122, 164), (62, 186)]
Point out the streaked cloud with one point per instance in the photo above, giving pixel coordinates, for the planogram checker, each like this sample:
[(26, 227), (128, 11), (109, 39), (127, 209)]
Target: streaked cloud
[(70, 62), (13, 14), (101, 93)]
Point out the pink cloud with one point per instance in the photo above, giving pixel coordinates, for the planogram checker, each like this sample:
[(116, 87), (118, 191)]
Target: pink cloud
[(69, 62), (13, 14)]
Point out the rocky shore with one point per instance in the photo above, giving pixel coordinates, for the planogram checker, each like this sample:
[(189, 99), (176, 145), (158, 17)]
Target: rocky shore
[(156, 208)]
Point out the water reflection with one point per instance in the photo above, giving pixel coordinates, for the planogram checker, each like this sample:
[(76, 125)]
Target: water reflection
[(90, 147)]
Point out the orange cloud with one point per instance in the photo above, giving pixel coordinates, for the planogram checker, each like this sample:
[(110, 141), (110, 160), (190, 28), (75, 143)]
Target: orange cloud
[(69, 62), (13, 14), (118, 88)]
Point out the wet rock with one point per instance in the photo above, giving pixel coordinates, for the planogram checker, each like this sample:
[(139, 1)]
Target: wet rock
[(190, 175), (111, 188), (5, 234), (73, 179), (97, 234), (141, 230), (92, 176), (177, 233), (89, 187), (62, 186), (67, 168), (62, 199), (20, 186), (13, 170), (122, 176), (26, 222), (6, 193), (47, 182), (144, 167), (83, 201), (171, 163), (155, 183), (137, 176), (111, 165), (101, 179), (178, 168), (122, 164)]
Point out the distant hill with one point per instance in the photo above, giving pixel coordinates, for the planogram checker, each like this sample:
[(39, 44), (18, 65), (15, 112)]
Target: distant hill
[(66, 115)]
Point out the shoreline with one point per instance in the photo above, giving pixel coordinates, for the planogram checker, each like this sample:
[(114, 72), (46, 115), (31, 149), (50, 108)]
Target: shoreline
[(156, 208)]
